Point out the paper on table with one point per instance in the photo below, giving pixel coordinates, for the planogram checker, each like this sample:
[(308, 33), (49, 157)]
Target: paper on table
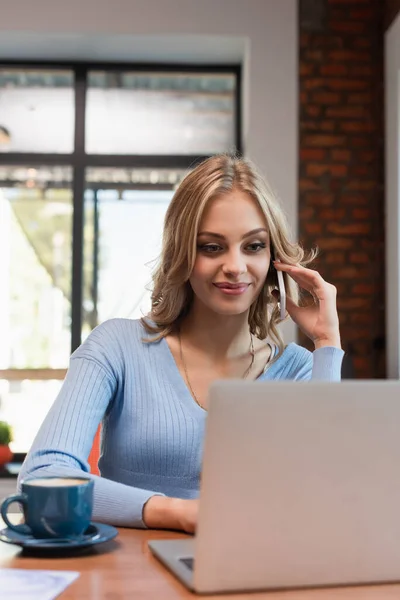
[(24, 584)]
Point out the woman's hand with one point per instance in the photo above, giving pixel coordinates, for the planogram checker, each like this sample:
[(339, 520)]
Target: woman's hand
[(161, 512), (319, 321), (187, 512)]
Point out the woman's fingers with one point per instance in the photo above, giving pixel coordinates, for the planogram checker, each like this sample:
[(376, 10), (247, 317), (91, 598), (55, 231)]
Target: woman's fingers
[(292, 308), (309, 280)]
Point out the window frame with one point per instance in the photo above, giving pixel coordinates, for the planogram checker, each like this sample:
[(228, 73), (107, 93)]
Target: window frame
[(79, 160)]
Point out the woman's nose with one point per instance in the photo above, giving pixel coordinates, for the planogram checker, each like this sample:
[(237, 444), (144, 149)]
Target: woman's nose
[(235, 264)]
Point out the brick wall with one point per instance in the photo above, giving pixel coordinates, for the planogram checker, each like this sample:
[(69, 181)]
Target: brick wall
[(341, 165)]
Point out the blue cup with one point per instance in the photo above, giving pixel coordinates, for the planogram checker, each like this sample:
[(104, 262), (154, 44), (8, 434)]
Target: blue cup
[(53, 507)]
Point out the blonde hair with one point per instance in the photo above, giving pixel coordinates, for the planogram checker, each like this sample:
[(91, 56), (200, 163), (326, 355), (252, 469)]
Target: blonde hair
[(172, 294)]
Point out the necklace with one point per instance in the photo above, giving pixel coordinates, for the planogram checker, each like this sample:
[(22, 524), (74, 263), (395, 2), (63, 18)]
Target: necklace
[(245, 374)]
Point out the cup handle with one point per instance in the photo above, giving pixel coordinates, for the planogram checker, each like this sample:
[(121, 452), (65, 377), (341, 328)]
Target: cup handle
[(22, 528)]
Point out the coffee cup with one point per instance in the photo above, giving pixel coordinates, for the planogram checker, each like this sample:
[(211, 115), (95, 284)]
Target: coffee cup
[(53, 507)]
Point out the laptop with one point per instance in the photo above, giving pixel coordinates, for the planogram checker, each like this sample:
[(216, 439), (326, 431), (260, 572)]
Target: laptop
[(300, 487)]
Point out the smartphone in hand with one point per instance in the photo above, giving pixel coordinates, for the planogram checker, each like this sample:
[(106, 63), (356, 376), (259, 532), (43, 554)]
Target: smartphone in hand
[(281, 287), (282, 294)]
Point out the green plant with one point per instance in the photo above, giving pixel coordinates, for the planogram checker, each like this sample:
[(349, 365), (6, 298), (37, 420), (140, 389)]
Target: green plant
[(5, 433)]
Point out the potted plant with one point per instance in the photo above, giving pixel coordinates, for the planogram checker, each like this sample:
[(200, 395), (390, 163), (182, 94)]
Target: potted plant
[(5, 439)]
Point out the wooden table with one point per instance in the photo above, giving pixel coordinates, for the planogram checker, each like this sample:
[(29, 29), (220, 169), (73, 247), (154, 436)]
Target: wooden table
[(124, 568)]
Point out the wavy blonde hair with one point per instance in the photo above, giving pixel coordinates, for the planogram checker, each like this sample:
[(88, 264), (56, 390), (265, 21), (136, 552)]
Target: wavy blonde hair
[(172, 294)]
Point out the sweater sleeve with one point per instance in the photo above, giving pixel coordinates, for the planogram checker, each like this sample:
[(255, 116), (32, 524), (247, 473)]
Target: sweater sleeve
[(324, 364), (63, 443)]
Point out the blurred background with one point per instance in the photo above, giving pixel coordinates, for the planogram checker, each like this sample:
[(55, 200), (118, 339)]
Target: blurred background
[(104, 107)]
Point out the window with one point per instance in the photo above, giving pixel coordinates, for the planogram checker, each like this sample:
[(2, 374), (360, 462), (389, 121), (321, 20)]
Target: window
[(160, 113), (120, 247), (36, 110), (36, 269), (89, 159), (35, 293)]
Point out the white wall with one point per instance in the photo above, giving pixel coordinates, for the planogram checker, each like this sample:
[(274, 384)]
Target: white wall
[(392, 81), (261, 33)]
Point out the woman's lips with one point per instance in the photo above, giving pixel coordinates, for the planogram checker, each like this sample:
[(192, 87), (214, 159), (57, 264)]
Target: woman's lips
[(232, 289)]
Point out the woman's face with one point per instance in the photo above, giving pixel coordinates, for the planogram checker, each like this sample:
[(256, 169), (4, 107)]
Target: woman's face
[(233, 254)]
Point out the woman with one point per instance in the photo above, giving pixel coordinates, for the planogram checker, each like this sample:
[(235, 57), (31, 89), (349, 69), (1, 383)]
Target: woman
[(214, 315)]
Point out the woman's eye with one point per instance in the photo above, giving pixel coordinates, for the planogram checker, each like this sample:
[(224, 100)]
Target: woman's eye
[(210, 248), (256, 247)]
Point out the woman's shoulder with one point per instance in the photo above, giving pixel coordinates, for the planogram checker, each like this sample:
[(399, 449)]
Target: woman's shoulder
[(294, 350), (294, 357), (294, 362), (114, 336), (111, 344), (118, 327)]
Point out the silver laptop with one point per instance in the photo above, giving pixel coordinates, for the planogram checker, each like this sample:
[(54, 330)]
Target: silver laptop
[(300, 487)]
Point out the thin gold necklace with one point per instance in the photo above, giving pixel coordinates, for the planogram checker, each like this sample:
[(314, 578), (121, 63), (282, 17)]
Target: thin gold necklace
[(245, 374)]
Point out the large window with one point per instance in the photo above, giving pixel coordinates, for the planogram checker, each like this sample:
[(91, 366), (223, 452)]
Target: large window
[(36, 110), (160, 113), (89, 159)]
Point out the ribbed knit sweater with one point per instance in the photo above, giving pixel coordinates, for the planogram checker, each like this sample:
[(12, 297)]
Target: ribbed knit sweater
[(152, 429)]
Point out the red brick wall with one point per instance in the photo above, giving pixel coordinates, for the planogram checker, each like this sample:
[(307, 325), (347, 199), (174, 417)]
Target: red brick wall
[(341, 166)]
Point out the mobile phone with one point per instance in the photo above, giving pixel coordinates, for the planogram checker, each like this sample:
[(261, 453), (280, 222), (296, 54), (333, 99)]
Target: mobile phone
[(282, 294), (281, 287)]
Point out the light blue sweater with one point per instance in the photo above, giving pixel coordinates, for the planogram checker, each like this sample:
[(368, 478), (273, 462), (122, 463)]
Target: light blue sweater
[(152, 429)]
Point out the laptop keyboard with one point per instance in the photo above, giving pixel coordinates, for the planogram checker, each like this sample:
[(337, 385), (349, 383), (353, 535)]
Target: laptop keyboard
[(189, 562)]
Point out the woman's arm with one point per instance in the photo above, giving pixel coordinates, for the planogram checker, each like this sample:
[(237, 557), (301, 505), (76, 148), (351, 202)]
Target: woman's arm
[(324, 364), (64, 441)]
